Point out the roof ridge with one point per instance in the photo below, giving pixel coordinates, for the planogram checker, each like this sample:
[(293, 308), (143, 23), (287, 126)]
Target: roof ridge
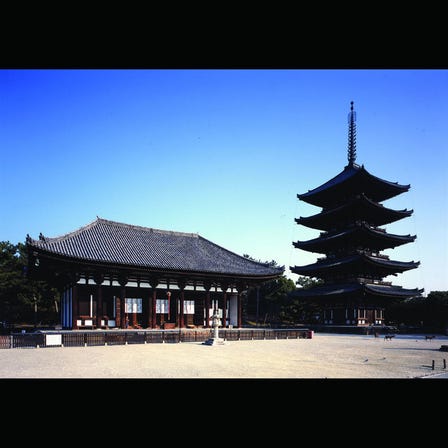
[(66, 235), (149, 229), (403, 186), (99, 220), (349, 172)]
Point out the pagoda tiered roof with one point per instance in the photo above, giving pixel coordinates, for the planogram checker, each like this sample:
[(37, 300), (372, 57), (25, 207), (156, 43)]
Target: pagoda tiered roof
[(360, 235), (352, 181), (357, 208), (347, 290), (350, 219), (358, 264)]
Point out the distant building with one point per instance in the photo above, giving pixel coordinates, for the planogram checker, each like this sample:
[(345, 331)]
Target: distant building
[(352, 270), (115, 275)]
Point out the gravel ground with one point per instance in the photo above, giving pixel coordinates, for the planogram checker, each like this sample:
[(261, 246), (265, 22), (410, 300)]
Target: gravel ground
[(323, 356)]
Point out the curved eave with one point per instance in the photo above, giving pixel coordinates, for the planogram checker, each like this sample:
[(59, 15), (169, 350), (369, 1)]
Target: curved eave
[(110, 243), (392, 291), (359, 208), (363, 236), (352, 180), (348, 290), (82, 263), (355, 264), (334, 290)]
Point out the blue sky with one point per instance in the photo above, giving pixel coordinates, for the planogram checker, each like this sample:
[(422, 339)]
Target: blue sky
[(222, 153)]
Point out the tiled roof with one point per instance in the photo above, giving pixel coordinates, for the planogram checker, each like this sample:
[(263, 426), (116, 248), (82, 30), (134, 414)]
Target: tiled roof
[(355, 263), (123, 244), (355, 288), (359, 235), (352, 180), (357, 208)]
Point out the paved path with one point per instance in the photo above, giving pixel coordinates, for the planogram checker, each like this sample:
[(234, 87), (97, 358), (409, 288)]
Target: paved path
[(323, 356)]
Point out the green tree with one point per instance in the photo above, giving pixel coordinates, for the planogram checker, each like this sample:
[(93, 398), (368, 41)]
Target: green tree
[(276, 296), (430, 313), (308, 282), (265, 303), (300, 311), (436, 313), (23, 300), (11, 281)]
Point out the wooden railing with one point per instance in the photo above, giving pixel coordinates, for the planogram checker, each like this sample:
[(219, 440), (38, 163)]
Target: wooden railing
[(121, 337)]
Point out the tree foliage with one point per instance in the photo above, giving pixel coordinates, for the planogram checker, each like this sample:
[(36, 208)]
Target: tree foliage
[(265, 303), (22, 300), (302, 311), (308, 282), (430, 311)]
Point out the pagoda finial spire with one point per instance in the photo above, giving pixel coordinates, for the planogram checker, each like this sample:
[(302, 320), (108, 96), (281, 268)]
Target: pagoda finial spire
[(351, 136)]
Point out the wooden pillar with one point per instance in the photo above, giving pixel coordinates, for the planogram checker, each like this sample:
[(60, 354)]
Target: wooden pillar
[(75, 306), (239, 311), (124, 316), (224, 287), (117, 312), (239, 289), (207, 286), (181, 285), (153, 302), (154, 308), (99, 278), (143, 311), (99, 305), (181, 309), (168, 297), (148, 313), (123, 280)]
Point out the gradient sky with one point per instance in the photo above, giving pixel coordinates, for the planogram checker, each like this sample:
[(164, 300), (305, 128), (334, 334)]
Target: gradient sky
[(222, 153)]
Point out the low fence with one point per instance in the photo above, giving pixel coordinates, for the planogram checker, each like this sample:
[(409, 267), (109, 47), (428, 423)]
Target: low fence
[(353, 329), (123, 337)]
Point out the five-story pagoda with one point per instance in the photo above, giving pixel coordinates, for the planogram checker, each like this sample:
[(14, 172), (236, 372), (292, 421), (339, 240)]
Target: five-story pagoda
[(352, 290)]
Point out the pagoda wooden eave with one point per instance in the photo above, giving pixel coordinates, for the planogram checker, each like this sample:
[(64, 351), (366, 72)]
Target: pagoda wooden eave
[(358, 208), (357, 265), (353, 180), (361, 235), (351, 290)]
